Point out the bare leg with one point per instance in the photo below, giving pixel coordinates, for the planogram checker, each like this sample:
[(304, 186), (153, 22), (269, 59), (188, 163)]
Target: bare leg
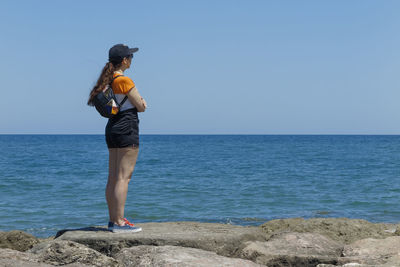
[(112, 178), (122, 162)]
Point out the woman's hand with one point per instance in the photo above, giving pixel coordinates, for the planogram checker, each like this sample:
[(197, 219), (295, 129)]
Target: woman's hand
[(144, 103)]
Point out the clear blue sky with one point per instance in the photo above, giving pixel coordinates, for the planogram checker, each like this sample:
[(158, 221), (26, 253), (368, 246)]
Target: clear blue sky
[(206, 67)]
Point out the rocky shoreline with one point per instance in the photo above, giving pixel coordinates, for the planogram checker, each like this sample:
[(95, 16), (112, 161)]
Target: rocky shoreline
[(287, 242)]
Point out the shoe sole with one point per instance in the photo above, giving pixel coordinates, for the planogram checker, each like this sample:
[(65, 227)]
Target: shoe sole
[(126, 230)]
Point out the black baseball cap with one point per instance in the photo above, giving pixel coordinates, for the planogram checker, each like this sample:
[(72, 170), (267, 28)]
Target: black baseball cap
[(119, 51)]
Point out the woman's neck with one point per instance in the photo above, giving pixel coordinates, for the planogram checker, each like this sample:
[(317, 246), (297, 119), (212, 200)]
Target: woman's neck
[(120, 71)]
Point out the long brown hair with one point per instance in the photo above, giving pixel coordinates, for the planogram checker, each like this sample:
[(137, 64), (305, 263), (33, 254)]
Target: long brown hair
[(104, 79)]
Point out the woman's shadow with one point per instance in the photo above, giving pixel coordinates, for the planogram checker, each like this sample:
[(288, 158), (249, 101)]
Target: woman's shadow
[(89, 229)]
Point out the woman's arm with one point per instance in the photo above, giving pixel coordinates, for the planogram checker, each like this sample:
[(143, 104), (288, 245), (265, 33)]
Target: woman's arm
[(137, 100)]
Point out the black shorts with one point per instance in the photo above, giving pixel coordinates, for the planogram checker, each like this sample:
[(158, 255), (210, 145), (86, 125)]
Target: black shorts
[(122, 130)]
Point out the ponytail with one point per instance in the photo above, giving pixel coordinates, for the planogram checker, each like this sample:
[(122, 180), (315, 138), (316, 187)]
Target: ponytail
[(104, 79)]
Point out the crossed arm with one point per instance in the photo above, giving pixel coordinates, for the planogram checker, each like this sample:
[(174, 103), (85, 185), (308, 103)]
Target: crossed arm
[(137, 100)]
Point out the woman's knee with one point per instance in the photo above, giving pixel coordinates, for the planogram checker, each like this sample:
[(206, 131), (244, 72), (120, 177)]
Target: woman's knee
[(124, 178)]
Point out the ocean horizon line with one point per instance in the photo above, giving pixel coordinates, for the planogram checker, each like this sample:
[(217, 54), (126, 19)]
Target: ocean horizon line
[(200, 134)]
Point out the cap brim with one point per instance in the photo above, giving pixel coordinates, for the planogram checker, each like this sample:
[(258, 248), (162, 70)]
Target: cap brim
[(133, 50)]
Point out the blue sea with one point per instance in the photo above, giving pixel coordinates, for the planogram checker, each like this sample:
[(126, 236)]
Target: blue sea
[(53, 182)]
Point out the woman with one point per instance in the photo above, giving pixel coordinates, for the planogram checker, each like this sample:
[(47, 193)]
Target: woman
[(122, 133)]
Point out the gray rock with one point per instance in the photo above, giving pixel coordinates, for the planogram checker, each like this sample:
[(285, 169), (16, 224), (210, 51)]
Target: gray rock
[(14, 258), (339, 229), (176, 256), (374, 251), (397, 231), (392, 262), (293, 249), (61, 252), (291, 242), (17, 240), (221, 238), (345, 265), (20, 263)]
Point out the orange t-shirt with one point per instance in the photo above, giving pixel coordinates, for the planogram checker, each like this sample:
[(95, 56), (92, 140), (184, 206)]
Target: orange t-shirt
[(122, 85)]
